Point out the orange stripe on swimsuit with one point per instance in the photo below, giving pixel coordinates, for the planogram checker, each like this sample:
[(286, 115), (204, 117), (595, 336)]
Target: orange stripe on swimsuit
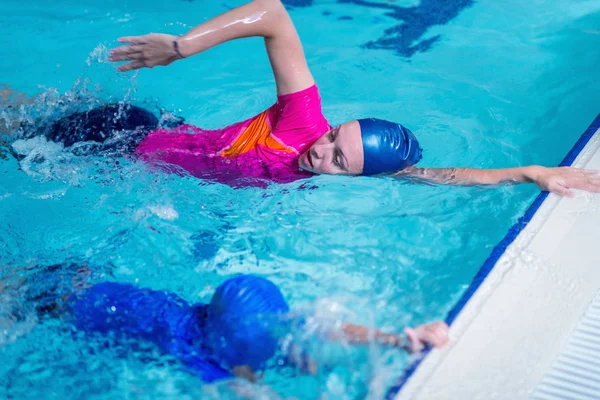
[(257, 133)]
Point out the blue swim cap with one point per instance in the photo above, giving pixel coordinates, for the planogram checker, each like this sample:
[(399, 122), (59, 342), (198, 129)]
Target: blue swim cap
[(387, 146), (241, 319)]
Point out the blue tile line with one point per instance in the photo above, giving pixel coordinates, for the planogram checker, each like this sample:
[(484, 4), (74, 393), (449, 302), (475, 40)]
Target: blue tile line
[(489, 264)]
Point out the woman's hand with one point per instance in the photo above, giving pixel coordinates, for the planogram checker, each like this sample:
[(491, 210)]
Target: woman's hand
[(561, 180), (146, 51), (434, 334)]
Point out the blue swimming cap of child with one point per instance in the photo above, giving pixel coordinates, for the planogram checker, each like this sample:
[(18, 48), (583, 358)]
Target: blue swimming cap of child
[(387, 146), (241, 319)]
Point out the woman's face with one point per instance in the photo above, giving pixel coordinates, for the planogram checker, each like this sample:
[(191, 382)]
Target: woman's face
[(338, 152)]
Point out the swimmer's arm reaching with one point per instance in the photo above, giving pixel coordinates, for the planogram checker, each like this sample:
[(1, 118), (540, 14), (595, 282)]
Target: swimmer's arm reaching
[(265, 18), (434, 334), (556, 180)]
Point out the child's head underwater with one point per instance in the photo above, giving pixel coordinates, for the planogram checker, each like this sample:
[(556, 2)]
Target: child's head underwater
[(241, 318), (362, 147)]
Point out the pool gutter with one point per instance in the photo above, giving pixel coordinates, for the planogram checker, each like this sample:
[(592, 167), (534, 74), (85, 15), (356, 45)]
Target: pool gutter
[(527, 298)]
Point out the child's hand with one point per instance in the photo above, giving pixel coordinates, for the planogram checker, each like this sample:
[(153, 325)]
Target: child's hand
[(562, 180), (434, 334)]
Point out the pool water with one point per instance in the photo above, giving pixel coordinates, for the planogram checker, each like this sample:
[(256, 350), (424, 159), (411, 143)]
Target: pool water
[(481, 84)]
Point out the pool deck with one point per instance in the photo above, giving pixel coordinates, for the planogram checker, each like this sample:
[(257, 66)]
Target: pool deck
[(519, 330)]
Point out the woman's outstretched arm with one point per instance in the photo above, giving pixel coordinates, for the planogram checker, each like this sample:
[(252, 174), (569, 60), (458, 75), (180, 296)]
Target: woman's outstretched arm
[(556, 180), (266, 18)]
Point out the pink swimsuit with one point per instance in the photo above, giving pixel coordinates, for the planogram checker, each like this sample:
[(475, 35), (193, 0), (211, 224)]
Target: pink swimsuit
[(265, 146)]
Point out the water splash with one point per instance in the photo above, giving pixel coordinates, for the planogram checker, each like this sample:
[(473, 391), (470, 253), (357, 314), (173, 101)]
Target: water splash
[(99, 55)]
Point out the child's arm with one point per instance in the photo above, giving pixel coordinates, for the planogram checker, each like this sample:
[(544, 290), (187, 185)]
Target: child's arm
[(556, 180), (265, 18), (433, 334)]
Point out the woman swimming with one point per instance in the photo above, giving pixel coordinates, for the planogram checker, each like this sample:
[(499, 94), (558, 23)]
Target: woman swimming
[(291, 139), (293, 132), (235, 334)]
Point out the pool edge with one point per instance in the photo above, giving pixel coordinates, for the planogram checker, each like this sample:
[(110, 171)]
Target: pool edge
[(497, 253)]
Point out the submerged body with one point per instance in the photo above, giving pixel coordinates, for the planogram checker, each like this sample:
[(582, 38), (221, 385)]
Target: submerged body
[(235, 334), (177, 327), (202, 336)]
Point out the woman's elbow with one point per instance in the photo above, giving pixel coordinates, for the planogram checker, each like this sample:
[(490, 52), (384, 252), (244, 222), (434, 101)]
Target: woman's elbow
[(274, 12)]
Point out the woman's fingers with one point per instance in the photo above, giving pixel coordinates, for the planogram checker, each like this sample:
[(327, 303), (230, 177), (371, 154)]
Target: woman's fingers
[(131, 39), (562, 180), (590, 172), (131, 66), (131, 52), (589, 183), (132, 48), (126, 53), (144, 51), (127, 57), (561, 189), (580, 179)]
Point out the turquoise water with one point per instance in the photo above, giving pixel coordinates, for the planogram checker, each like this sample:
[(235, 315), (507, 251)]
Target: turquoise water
[(488, 86)]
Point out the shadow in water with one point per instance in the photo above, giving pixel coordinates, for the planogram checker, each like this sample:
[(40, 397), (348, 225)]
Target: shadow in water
[(406, 38)]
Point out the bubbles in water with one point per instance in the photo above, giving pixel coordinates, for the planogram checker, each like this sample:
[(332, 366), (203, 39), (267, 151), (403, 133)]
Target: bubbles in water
[(43, 160), (317, 342), (15, 319), (165, 212)]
